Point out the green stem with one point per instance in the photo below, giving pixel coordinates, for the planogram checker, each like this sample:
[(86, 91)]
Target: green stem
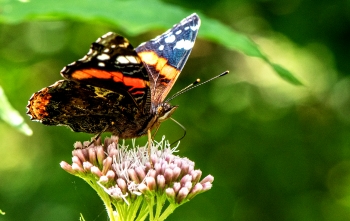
[(159, 205), (169, 210), (104, 197), (133, 208), (150, 208), (122, 210), (143, 211)]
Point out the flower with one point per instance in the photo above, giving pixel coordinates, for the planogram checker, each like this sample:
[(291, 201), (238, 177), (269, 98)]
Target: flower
[(130, 184)]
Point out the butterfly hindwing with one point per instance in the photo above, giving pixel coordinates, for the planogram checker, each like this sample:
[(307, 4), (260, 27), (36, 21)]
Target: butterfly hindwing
[(85, 108)]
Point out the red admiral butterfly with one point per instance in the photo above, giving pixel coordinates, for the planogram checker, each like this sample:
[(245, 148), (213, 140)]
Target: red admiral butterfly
[(115, 88)]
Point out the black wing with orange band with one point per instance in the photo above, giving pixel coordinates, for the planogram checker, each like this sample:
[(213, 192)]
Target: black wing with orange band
[(113, 64), (165, 56)]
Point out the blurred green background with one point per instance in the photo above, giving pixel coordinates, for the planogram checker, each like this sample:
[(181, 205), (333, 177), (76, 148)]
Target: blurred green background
[(277, 151)]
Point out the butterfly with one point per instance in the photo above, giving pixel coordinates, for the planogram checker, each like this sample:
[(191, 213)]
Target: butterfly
[(116, 88)]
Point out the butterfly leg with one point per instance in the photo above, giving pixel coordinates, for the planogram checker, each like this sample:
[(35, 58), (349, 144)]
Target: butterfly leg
[(97, 136), (154, 134)]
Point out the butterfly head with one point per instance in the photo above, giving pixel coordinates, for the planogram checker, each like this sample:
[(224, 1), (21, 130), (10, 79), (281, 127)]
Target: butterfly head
[(164, 111)]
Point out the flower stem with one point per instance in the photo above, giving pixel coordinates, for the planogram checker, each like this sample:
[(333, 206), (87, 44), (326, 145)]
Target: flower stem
[(104, 197), (159, 205), (143, 212), (169, 210), (150, 208), (133, 208)]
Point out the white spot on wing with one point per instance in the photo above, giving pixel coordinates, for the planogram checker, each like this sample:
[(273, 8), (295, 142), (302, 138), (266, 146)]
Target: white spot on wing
[(90, 52), (124, 45), (196, 27), (122, 60), (184, 44), (85, 58), (101, 64), (103, 57), (170, 39), (186, 28), (178, 32), (161, 48), (132, 59), (107, 34)]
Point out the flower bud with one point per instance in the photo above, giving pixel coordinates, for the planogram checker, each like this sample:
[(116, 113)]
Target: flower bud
[(183, 192), (151, 183), (133, 175), (208, 178), (160, 182), (95, 170), (67, 167)]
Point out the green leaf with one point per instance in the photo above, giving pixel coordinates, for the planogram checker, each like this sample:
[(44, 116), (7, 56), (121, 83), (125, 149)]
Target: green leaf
[(236, 41), (285, 74), (123, 15), (11, 116), (228, 37)]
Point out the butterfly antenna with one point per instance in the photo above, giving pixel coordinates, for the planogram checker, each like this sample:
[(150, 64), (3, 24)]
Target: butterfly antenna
[(181, 127), (184, 89), (194, 85)]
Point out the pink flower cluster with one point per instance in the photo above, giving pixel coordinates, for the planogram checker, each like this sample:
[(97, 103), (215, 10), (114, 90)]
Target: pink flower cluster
[(126, 174)]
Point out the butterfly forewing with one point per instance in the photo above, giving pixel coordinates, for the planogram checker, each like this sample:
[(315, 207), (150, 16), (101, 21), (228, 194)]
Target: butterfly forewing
[(166, 55), (113, 64)]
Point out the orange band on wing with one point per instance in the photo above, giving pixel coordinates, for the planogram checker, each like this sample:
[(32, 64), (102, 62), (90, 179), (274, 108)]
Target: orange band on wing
[(170, 72), (135, 82), (115, 76), (90, 73), (149, 57), (160, 64)]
